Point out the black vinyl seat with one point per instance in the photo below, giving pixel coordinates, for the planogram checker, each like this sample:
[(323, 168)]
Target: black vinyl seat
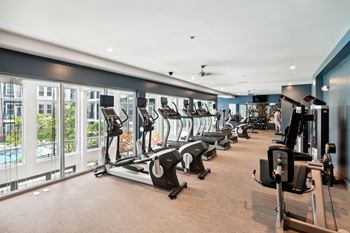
[(298, 185)]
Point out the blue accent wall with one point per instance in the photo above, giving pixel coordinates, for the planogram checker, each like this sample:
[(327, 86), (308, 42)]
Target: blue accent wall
[(338, 98), (223, 103), (335, 72)]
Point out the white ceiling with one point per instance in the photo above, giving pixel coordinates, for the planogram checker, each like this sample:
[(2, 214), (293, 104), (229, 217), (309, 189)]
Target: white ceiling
[(249, 41)]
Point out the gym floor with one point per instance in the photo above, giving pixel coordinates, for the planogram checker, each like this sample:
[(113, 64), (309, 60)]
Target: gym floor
[(228, 200)]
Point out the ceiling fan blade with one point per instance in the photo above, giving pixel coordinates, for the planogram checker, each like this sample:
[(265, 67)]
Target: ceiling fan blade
[(213, 73)]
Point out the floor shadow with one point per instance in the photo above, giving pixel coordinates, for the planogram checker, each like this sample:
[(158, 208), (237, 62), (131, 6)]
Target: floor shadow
[(263, 208)]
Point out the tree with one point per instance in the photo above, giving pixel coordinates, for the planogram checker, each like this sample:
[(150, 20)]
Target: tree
[(47, 127), (92, 131), (69, 127), (46, 132), (14, 137)]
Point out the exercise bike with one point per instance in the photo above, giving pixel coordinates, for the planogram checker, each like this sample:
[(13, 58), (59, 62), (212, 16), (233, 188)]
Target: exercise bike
[(161, 165)]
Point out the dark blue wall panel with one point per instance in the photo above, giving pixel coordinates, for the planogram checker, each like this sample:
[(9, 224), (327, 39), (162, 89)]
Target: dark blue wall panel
[(338, 99), (30, 66), (335, 72)]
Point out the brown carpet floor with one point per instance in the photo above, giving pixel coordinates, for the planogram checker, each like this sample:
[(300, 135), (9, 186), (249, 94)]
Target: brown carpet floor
[(228, 200)]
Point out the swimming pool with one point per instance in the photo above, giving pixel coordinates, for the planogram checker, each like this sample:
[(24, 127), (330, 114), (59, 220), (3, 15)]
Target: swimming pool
[(10, 155)]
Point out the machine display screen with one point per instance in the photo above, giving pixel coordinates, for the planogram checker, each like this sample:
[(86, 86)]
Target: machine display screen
[(141, 102), (106, 101), (163, 101), (259, 99)]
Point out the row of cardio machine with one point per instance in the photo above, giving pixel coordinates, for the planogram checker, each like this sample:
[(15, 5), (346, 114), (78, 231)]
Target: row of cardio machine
[(158, 167), (302, 163), (220, 140)]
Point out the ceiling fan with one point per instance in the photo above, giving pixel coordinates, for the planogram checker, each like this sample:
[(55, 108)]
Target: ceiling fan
[(203, 73)]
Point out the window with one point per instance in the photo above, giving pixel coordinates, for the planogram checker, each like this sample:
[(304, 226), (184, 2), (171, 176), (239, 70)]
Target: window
[(49, 109), (94, 125), (9, 89), (39, 162), (47, 145), (18, 111), (243, 110), (11, 126), (48, 91), (41, 109), (41, 91), (70, 120), (9, 109), (18, 91)]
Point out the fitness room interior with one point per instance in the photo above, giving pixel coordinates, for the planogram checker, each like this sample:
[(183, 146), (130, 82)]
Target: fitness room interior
[(174, 116)]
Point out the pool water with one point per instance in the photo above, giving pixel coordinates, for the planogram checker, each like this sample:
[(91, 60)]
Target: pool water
[(10, 155)]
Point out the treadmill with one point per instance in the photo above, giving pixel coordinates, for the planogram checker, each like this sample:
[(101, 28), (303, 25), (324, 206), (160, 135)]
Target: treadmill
[(219, 142), (168, 113), (227, 133)]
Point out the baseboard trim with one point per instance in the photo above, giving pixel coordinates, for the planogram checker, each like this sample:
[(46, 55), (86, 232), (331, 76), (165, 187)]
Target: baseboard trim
[(347, 185), (30, 189)]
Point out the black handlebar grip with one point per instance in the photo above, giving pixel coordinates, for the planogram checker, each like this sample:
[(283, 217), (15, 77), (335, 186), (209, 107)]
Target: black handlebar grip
[(278, 178)]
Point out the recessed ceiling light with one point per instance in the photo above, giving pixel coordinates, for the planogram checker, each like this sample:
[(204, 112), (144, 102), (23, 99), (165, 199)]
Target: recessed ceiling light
[(110, 50), (293, 67), (289, 84), (222, 89), (192, 77)]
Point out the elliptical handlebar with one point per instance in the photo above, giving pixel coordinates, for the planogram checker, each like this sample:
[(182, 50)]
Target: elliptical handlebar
[(176, 109), (194, 106), (289, 100), (154, 118), (314, 100), (120, 125)]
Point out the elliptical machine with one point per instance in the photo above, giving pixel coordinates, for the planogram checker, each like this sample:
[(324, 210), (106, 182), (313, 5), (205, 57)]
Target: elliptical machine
[(191, 151), (147, 127), (161, 165), (240, 127)]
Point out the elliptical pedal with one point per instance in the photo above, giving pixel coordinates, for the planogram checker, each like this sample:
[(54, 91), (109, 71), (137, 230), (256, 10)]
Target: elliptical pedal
[(100, 171), (203, 174), (173, 193), (134, 168)]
